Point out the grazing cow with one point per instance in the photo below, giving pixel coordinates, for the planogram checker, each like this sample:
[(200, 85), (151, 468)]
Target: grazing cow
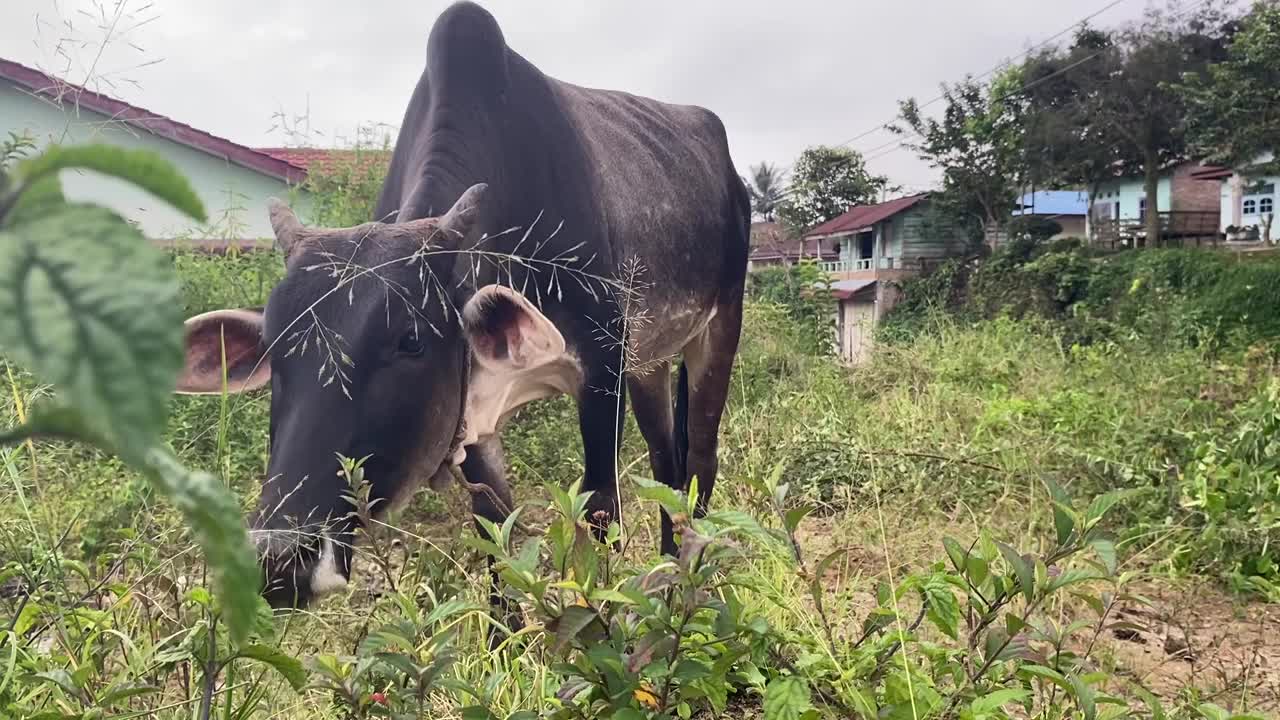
[(534, 238)]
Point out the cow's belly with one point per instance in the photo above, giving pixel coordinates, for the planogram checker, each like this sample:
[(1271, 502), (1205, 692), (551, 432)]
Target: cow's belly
[(663, 332)]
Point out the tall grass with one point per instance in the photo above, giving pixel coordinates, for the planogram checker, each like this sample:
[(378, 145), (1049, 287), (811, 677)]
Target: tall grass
[(956, 432)]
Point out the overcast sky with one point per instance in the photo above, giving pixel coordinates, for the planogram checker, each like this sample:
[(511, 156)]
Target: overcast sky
[(782, 75)]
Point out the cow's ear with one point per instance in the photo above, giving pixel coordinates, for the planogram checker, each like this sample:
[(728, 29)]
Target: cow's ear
[(240, 333), (507, 333)]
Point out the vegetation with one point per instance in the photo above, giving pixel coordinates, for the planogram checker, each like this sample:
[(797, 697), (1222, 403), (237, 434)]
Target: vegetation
[(1209, 306), (807, 592), (977, 145), (1231, 108), (825, 182), (767, 187)]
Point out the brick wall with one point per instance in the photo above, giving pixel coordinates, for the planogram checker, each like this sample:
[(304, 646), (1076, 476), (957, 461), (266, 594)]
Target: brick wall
[(1187, 193)]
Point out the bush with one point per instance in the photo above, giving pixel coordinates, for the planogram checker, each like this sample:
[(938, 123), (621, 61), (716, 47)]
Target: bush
[(1194, 297), (801, 289)]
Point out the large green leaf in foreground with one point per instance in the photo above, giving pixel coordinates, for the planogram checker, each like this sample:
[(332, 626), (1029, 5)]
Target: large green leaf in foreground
[(87, 304)]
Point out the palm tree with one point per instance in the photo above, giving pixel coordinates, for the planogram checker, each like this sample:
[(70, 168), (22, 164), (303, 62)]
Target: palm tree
[(766, 188)]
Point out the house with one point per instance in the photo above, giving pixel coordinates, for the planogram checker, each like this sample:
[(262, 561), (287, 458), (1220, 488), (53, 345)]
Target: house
[(772, 245), (879, 246), (232, 180), (1068, 208), (1188, 207), (1247, 199)]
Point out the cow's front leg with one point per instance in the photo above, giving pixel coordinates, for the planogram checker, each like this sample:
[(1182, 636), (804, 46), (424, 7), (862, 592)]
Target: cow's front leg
[(485, 469), (601, 411)]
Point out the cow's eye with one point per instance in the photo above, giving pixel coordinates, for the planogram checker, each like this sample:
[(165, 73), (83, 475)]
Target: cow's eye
[(411, 344)]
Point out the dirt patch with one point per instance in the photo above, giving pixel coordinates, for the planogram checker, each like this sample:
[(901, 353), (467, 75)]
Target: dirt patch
[(1195, 637)]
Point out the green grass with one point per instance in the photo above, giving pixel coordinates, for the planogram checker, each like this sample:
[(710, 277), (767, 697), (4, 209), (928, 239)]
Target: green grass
[(956, 431)]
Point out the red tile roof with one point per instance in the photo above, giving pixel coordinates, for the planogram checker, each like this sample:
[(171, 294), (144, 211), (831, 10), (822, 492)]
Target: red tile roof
[(62, 93), (309, 158), (772, 241), (864, 216)]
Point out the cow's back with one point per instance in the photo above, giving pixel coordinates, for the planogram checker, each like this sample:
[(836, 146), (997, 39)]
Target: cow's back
[(667, 186), (631, 181)]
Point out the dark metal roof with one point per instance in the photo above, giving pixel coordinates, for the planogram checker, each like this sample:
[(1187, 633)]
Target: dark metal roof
[(864, 216), (845, 289)]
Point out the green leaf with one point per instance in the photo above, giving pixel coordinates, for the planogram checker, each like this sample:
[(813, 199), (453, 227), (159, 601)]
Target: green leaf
[(990, 703), (1043, 673), (793, 517), (124, 692), (1213, 712), (1023, 569), (1072, 577), (63, 680), (1106, 551), (943, 610), (40, 198), (574, 620), (628, 714), (956, 553), (112, 350), (289, 667), (656, 644), (145, 169), (738, 521), (1085, 697), (786, 698), (477, 712), (1063, 522), (213, 516), (448, 609), (1154, 707), (665, 496), (1101, 505)]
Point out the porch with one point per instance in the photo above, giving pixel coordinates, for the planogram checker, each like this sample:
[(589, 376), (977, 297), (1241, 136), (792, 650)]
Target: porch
[(1177, 227)]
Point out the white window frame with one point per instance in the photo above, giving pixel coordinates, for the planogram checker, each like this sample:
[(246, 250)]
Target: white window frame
[(1260, 199)]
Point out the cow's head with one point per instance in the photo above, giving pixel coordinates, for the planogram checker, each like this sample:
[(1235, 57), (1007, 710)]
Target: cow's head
[(369, 345)]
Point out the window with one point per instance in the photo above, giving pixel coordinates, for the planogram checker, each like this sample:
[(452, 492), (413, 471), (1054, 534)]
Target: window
[(1259, 199)]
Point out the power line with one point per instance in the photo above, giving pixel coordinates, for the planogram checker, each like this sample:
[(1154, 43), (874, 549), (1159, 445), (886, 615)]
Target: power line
[(1003, 63), (902, 144)]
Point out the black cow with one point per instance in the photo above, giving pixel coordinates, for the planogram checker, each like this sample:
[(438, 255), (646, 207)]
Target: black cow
[(536, 238)]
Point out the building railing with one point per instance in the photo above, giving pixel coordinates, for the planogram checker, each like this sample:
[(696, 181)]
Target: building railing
[(840, 266), (1174, 226)]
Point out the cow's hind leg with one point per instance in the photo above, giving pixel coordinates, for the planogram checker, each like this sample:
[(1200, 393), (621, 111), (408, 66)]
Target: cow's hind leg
[(651, 403), (709, 364), (485, 469)]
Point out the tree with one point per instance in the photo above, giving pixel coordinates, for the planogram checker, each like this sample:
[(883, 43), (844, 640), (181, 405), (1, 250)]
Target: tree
[(766, 188), (977, 144), (1108, 105), (825, 182), (1233, 109)]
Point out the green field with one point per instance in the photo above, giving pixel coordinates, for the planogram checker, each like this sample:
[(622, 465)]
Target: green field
[(886, 542)]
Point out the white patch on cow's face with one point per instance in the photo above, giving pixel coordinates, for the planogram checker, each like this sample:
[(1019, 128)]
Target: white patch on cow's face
[(326, 577)]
